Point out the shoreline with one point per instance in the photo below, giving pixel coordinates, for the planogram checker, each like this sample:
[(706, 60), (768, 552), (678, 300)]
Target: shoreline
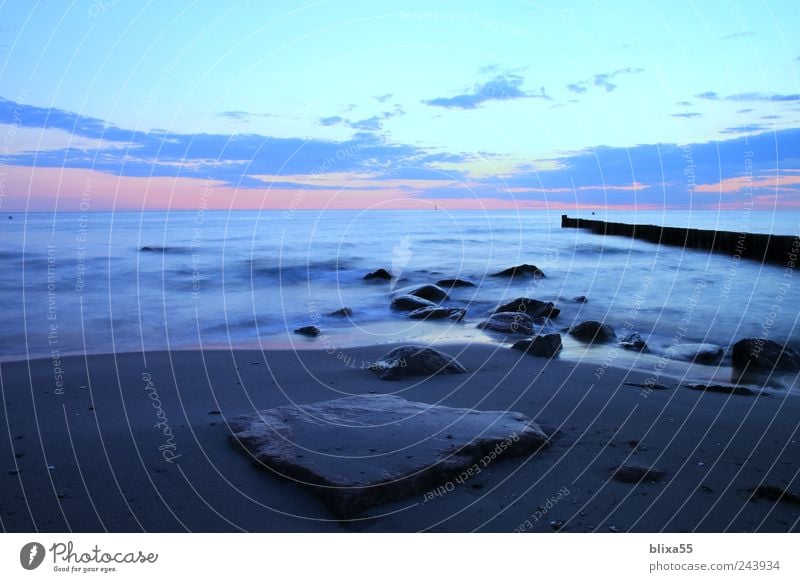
[(657, 364), (100, 455)]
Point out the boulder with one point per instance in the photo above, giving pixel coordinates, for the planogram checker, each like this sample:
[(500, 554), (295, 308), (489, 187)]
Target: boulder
[(405, 361), (633, 341), (521, 270), (532, 307), (454, 313), (593, 332), (541, 346), (343, 312), (764, 354), (410, 303), (308, 330), (379, 275), (453, 283), (580, 299), (429, 292), (509, 322), (699, 353), (360, 452)]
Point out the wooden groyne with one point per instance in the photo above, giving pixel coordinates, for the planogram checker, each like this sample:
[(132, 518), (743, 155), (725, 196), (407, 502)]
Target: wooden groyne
[(766, 248)]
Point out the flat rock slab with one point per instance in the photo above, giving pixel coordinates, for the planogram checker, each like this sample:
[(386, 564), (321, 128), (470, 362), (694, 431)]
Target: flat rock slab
[(359, 452)]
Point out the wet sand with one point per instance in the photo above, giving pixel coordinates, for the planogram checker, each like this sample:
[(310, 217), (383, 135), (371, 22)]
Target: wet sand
[(139, 442)]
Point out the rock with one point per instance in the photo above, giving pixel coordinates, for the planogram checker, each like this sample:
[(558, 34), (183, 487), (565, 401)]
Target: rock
[(452, 283), (541, 346), (405, 361), (633, 341), (593, 332), (454, 313), (308, 330), (410, 303), (532, 307), (343, 312), (775, 493), (722, 389), (359, 452), (636, 474), (580, 299), (509, 322), (699, 353), (429, 292), (380, 274), (650, 385), (520, 270), (764, 354)]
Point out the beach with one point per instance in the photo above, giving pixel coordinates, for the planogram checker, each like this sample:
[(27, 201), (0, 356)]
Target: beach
[(140, 441)]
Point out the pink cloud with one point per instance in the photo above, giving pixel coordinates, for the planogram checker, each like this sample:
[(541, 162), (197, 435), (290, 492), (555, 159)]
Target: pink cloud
[(745, 183)]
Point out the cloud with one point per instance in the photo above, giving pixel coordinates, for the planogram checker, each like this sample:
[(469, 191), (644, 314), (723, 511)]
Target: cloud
[(745, 111), (504, 87), (751, 96), (237, 115), (684, 103), (374, 123), (100, 146), (157, 163), (742, 34), (370, 124), (333, 120), (671, 172), (748, 128), (711, 95), (687, 114), (383, 98), (602, 80)]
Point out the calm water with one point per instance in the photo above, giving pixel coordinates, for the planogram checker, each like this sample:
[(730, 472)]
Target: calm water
[(73, 282)]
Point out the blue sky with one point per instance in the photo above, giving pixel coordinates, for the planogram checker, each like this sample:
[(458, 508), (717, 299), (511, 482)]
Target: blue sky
[(354, 105)]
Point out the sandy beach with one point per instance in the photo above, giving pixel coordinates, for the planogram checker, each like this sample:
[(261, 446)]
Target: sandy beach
[(140, 442)]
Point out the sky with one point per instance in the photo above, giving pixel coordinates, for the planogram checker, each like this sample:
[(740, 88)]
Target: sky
[(121, 105)]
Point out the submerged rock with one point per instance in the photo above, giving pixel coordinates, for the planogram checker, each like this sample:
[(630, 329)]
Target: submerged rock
[(429, 292), (633, 341), (343, 312), (766, 355), (541, 346), (580, 299), (359, 452), (410, 303), (405, 361), (699, 353), (380, 275), (722, 389), (650, 385), (637, 474), (510, 322), (454, 313), (776, 493), (520, 270), (593, 332), (532, 307), (452, 283), (308, 330)]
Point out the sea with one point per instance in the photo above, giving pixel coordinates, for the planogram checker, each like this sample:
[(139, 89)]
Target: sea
[(76, 283)]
